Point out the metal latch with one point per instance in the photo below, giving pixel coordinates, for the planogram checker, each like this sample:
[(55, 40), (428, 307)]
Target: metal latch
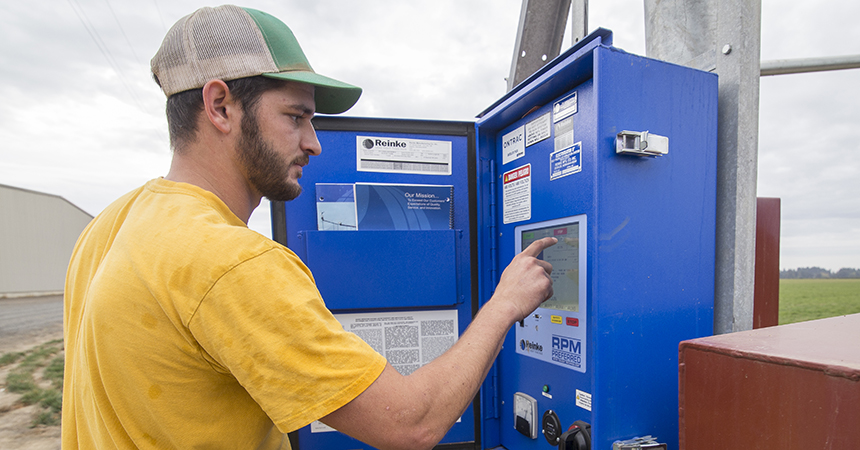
[(639, 443), (641, 143)]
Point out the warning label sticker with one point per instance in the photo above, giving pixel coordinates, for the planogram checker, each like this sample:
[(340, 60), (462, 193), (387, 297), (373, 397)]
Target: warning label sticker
[(583, 400), (517, 194)]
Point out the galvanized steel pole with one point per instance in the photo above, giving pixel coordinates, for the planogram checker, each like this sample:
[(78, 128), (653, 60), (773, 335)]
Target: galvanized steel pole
[(724, 37), (578, 20)]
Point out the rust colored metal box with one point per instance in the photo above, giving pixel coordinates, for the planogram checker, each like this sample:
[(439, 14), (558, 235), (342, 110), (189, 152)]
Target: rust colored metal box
[(792, 386)]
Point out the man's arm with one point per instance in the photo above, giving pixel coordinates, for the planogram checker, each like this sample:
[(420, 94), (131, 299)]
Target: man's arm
[(415, 411)]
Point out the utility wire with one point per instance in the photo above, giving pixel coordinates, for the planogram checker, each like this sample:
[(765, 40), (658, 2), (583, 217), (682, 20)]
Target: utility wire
[(122, 30), (94, 34), (160, 16), (105, 51)]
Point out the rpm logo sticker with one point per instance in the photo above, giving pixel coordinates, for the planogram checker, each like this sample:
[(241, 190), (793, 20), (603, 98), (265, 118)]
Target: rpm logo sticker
[(567, 350)]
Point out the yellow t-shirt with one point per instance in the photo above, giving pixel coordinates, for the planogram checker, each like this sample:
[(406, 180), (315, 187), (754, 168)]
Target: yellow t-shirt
[(185, 329)]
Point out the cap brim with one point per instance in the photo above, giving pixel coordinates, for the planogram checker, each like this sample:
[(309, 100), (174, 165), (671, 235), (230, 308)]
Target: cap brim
[(331, 96)]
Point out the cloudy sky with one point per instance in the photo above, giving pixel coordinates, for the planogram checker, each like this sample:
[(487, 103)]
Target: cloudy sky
[(80, 116)]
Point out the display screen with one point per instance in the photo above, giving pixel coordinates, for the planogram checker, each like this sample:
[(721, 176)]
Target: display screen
[(564, 258)]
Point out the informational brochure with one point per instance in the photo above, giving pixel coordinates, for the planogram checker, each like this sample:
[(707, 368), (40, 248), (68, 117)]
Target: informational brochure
[(404, 206), (336, 206), (408, 339), (376, 206)]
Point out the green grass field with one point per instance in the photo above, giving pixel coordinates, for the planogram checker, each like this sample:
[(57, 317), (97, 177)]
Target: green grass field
[(809, 299)]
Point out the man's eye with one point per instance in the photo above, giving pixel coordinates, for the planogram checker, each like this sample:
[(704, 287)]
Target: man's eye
[(299, 117)]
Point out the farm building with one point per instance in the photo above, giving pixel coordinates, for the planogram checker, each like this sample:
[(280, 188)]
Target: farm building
[(37, 234)]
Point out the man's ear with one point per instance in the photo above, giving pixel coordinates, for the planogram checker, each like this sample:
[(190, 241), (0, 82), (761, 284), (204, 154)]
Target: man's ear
[(220, 106)]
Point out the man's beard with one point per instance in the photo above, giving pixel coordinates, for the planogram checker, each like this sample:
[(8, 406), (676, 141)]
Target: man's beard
[(266, 171)]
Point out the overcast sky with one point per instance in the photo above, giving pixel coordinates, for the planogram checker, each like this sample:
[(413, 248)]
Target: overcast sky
[(80, 116)]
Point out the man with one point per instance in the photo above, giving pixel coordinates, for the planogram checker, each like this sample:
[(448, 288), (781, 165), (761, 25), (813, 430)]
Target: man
[(185, 329)]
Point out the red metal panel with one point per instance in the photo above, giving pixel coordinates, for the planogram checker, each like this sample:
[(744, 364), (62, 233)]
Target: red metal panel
[(766, 297), (793, 386)]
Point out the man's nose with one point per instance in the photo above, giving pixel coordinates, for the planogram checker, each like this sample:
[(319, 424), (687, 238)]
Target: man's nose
[(310, 143)]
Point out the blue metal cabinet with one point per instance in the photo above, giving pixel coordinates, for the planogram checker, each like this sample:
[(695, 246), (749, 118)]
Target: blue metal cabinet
[(634, 268), (648, 236), (391, 272)]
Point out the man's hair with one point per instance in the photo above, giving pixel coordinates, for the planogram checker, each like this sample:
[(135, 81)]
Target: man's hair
[(184, 108)]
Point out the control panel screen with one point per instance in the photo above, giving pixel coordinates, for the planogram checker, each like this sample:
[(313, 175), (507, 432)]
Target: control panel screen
[(564, 258), (556, 331)]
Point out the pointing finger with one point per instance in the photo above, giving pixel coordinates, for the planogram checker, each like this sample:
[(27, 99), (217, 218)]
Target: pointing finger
[(540, 245)]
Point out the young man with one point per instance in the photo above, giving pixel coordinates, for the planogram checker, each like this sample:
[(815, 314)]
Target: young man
[(186, 329)]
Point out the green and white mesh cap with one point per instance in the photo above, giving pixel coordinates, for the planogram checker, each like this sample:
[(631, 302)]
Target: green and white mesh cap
[(229, 42)]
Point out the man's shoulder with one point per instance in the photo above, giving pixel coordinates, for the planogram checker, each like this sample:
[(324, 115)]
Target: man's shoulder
[(201, 223), (179, 221)]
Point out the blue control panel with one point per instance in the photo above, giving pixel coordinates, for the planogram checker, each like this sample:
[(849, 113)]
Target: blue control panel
[(615, 155)]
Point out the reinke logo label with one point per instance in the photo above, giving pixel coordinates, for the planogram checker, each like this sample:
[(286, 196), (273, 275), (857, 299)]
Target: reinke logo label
[(529, 346), (370, 143)]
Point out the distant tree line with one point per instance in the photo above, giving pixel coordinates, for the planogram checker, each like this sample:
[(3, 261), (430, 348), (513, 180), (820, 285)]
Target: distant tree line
[(818, 272)]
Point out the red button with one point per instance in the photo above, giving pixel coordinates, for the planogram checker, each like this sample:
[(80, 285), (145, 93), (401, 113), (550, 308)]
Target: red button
[(573, 321)]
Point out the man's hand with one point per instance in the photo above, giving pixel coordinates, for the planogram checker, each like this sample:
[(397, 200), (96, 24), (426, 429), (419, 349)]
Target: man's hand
[(526, 282)]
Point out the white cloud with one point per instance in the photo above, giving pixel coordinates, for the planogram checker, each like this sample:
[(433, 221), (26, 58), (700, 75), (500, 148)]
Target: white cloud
[(74, 124), (806, 138)]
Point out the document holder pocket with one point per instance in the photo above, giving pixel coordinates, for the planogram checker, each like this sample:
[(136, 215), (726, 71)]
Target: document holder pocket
[(383, 269)]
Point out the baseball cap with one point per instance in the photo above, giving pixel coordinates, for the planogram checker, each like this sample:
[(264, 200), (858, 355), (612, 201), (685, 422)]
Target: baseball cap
[(229, 42)]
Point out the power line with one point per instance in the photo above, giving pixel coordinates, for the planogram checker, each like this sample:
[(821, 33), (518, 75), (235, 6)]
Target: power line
[(105, 51), (160, 16), (94, 35), (122, 30)]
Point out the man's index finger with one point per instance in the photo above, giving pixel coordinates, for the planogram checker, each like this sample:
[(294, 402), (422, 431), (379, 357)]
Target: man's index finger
[(539, 245)]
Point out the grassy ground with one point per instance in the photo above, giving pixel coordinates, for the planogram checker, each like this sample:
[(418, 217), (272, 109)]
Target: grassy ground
[(809, 299), (37, 375)]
